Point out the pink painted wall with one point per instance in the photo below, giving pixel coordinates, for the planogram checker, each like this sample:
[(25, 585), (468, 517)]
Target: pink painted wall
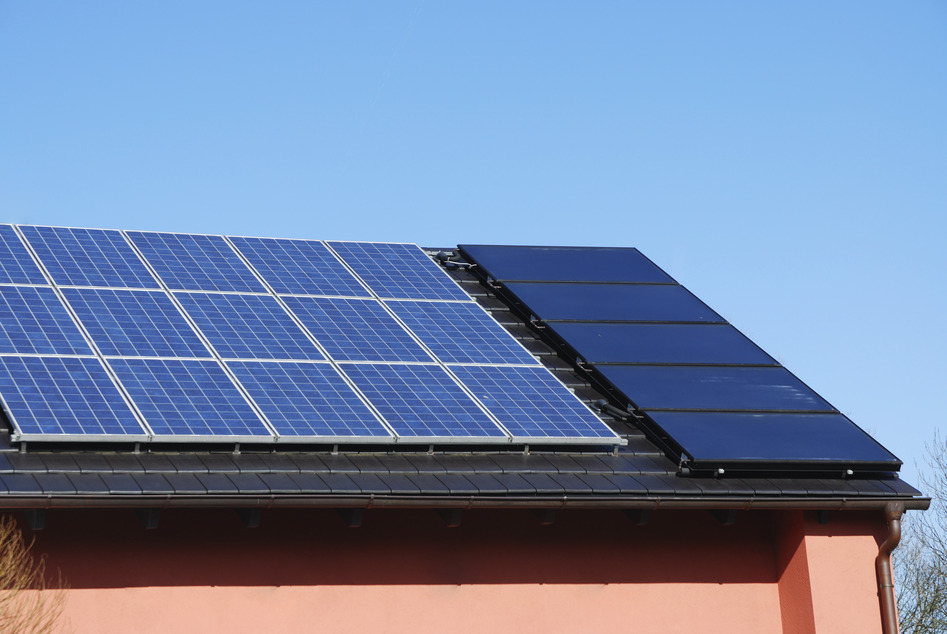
[(500, 571)]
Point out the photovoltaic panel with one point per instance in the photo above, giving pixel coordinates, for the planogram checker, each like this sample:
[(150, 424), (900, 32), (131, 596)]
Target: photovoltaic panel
[(182, 398), (460, 332), (88, 257), (713, 388), (422, 401), (196, 262), (564, 264), (307, 400), (532, 403), (64, 396), (34, 321), (727, 437), (356, 329), (135, 323), (611, 302), (16, 264), (398, 271), (248, 326), (661, 343), (300, 267)]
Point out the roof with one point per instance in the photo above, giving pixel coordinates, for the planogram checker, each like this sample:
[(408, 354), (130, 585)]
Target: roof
[(639, 473)]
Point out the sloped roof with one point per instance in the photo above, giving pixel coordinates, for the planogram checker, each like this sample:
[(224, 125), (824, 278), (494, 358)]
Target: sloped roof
[(637, 474)]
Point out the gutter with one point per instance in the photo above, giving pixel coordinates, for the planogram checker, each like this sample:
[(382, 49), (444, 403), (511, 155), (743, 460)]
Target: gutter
[(138, 501), (889, 608)]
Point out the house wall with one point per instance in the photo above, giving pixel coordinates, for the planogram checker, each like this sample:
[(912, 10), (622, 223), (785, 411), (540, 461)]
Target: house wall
[(499, 571)]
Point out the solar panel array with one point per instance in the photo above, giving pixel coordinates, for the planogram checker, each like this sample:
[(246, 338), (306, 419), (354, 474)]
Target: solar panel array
[(705, 390), (145, 336)]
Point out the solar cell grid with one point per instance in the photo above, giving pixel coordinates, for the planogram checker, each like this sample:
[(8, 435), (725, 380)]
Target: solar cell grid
[(531, 403), (398, 271), (34, 321), (422, 401), (300, 267), (460, 332), (88, 257), (16, 264), (135, 323), (181, 398), (248, 326), (307, 399), (196, 262), (356, 329), (64, 396)]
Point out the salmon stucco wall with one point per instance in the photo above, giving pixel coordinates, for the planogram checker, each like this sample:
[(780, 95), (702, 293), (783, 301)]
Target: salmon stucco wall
[(499, 571)]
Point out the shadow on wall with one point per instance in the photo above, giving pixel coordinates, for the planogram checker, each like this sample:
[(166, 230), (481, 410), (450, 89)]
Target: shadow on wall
[(111, 548)]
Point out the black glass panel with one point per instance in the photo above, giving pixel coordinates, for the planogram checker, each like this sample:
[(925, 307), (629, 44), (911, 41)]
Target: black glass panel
[(714, 436), (612, 302), (702, 387), (565, 264), (661, 343)]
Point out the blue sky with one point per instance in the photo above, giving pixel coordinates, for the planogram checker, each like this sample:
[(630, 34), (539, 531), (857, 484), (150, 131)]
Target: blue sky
[(787, 162)]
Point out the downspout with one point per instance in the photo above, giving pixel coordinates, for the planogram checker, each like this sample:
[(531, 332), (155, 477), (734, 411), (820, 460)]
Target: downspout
[(889, 609)]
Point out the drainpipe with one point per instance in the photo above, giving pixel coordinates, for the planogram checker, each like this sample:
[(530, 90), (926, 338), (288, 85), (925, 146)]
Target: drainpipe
[(889, 609)]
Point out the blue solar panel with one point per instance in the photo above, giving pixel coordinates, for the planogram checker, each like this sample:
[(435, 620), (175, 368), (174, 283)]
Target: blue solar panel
[(16, 264), (565, 264), (135, 323), (422, 402), (88, 257), (745, 437), (718, 344), (611, 302), (461, 332), (248, 326), (196, 262), (713, 388), (60, 396), (531, 403), (34, 321), (398, 271), (356, 329), (300, 267), (188, 398), (307, 400)]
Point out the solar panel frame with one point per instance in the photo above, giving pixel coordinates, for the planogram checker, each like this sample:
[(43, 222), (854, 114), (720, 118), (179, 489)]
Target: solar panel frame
[(299, 267), (40, 393), (293, 394), (355, 329), (460, 332), (416, 399), (534, 406), (17, 266), (33, 320), (775, 438), (653, 344), (196, 262), (200, 404), (507, 263), (723, 388), (88, 257), (567, 301), (243, 326), (135, 323), (418, 277)]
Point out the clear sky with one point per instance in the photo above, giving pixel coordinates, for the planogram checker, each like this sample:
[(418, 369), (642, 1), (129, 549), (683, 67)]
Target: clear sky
[(787, 162)]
